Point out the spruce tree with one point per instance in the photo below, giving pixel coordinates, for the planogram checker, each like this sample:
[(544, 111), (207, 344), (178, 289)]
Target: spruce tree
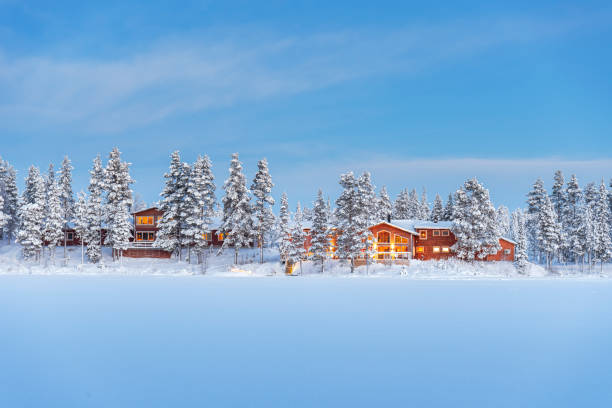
[(11, 203), (367, 207), (297, 249), (81, 221), (237, 212), (201, 192), (31, 227), (284, 244), (192, 228), (549, 231), (66, 195), (319, 241), (535, 202), (424, 207), (590, 194), (474, 222), (385, 209), (95, 212), (557, 195), (347, 219), (571, 218), (520, 236), (262, 212), (415, 209), (448, 209), (603, 244), (118, 202), (401, 206), (170, 234), (503, 220), (3, 217), (54, 221), (437, 211)]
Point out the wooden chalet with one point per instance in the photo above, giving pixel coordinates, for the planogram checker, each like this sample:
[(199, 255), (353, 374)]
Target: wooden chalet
[(145, 232), (399, 241)]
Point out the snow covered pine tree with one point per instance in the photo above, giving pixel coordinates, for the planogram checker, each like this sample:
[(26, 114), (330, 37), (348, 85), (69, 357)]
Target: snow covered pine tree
[(297, 250), (319, 241), (118, 202), (349, 221), (95, 212), (66, 195), (54, 220), (31, 227), (237, 223), (284, 240), (385, 209), (474, 222), (261, 189), (170, 234)]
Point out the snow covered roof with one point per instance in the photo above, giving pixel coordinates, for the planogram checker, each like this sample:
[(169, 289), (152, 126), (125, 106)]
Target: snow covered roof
[(144, 209), (509, 240), (433, 225), (412, 225), (405, 225)]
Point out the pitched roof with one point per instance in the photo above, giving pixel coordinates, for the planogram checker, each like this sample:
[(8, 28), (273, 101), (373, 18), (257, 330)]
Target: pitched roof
[(400, 224), (144, 209), (509, 240)]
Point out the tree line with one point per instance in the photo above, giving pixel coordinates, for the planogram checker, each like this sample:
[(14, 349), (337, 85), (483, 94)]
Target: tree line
[(568, 225)]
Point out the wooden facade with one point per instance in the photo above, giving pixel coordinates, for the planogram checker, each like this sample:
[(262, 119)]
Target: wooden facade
[(145, 233), (399, 241)]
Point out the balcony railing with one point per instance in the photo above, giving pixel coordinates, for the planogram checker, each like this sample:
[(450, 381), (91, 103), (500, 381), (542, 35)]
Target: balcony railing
[(389, 256), (142, 244)]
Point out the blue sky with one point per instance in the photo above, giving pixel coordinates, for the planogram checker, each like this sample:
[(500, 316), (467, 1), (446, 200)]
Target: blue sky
[(421, 95)]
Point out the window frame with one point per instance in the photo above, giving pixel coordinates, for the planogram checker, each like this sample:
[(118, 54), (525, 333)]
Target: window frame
[(445, 233), (423, 234), (446, 250), (420, 249), (436, 250), (69, 236), (378, 241), (436, 233)]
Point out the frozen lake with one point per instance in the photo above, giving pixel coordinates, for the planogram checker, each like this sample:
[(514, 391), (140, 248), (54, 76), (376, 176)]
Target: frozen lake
[(156, 341)]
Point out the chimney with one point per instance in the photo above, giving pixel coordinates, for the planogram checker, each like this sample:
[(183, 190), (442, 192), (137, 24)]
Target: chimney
[(389, 218)]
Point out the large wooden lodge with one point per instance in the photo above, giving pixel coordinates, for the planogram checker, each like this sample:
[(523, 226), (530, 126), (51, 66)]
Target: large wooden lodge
[(398, 241)]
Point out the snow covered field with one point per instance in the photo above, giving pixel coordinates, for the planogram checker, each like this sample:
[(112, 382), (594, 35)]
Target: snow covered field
[(181, 340), (155, 333)]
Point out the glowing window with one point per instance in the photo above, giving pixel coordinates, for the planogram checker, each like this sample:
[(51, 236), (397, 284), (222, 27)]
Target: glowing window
[(221, 236), (445, 233), (436, 249), (423, 234), (445, 249), (384, 237), (144, 220), (436, 233), (401, 240), (420, 249)]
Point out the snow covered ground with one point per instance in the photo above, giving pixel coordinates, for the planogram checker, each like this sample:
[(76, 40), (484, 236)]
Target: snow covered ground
[(11, 263), (193, 341)]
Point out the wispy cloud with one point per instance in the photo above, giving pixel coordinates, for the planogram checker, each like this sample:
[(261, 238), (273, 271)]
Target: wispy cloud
[(182, 75)]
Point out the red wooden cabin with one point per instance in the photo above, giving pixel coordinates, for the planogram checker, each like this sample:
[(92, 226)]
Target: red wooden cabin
[(402, 240), (145, 232)]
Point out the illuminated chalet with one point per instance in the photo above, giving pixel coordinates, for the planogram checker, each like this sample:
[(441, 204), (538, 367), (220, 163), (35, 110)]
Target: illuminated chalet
[(145, 231), (401, 240)]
